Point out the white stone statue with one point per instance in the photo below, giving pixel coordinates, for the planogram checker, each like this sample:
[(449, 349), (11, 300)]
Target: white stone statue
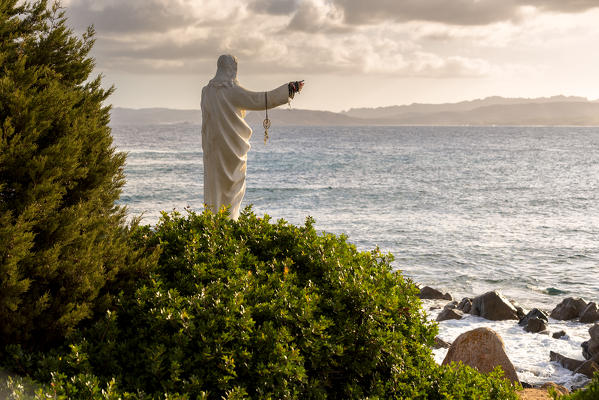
[(226, 135)]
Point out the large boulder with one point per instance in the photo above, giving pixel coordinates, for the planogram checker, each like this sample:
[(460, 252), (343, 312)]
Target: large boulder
[(590, 313), (483, 349), (569, 308), (428, 292), (590, 348), (493, 306), (449, 313)]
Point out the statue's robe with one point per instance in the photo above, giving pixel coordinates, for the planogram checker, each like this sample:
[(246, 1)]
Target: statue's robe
[(226, 139)]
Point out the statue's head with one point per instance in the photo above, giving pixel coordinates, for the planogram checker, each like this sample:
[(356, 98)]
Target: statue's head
[(227, 67)]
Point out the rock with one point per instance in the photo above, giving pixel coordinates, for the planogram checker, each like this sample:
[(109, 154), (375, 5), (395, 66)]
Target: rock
[(536, 325), (566, 362), (441, 344), (451, 305), (559, 334), (534, 394), (483, 349), (449, 313), (590, 313), (493, 306), (590, 348), (559, 389), (569, 308), (534, 313), (465, 305), (588, 368), (519, 309), (428, 292)]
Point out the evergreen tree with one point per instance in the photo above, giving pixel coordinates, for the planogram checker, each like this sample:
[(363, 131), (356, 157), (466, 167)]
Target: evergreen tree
[(64, 245)]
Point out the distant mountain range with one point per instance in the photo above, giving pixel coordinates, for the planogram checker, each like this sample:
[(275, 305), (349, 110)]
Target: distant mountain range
[(556, 110)]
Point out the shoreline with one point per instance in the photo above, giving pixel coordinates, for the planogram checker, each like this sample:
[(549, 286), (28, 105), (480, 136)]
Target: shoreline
[(529, 352)]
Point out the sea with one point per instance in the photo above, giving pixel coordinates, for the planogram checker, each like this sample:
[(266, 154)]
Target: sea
[(463, 209)]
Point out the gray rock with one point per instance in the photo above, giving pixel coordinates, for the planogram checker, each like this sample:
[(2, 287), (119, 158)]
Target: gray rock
[(465, 305), (566, 362), (441, 344), (587, 368), (534, 313), (590, 313), (493, 306), (590, 348), (449, 313), (519, 310), (451, 305), (569, 308), (559, 334), (428, 292), (536, 325)]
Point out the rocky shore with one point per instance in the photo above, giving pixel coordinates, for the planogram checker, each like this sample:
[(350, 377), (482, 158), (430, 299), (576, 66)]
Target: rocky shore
[(483, 348)]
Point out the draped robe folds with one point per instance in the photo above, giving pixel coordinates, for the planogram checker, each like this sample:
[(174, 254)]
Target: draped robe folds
[(226, 139)]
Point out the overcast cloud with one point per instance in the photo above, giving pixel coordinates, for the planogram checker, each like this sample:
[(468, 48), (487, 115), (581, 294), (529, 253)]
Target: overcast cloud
[(436, 39)]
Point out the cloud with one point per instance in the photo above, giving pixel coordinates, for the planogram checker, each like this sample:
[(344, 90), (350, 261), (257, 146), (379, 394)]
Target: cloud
[(459, 12), (567, 6), (317, 16), (400, 38), (274, 7), (454, 12), (129, 16)]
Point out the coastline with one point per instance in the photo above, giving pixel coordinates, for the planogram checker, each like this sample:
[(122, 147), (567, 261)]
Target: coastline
[(529, 352)]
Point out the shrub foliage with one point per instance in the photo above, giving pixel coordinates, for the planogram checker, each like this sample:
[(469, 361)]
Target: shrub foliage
[(254, 309)]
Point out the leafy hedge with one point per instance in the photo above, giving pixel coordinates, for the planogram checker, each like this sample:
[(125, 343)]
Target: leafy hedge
[(254, 309)]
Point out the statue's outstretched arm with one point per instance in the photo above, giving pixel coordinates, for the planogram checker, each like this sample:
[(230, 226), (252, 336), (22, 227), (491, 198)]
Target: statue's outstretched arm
[(249, 100)]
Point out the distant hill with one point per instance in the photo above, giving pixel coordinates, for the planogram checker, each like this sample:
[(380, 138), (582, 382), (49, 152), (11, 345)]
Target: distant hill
[(154, 116), (418, 108), (557, 110)]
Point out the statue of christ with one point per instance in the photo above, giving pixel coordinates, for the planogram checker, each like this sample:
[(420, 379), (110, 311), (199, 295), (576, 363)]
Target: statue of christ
[(226, 135)]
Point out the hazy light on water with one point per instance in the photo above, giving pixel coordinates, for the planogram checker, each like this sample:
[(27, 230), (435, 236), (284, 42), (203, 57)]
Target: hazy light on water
[(466, 208)]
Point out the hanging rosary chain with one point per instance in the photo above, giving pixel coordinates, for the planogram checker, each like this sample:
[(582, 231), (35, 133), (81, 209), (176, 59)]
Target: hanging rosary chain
[(266, 123)]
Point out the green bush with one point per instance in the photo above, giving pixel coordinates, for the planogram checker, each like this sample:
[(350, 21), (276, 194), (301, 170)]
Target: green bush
[(63, 244), (271, 309), (252, 309)]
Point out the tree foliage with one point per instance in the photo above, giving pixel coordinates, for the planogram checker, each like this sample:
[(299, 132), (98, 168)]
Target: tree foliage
[(63, 242)]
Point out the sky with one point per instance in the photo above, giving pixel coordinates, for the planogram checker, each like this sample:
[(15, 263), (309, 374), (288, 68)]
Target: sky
[(351, 53)]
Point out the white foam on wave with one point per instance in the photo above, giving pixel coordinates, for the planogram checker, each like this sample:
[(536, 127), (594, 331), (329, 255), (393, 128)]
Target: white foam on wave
[(529, 352)]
